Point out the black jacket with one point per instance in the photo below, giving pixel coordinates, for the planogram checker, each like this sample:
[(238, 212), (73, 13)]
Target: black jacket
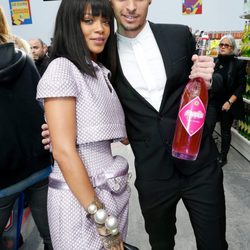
[(21, 150), (233, 73), (151, 132), (42, 64)]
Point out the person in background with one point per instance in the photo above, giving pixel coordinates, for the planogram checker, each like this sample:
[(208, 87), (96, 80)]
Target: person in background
[(226, 104), (22, 44), (39, 53), (50, 47), (7, 35), (24, 164), (88, 193)]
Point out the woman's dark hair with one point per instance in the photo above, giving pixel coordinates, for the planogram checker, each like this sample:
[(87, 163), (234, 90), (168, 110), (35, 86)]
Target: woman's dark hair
[(69, 42)]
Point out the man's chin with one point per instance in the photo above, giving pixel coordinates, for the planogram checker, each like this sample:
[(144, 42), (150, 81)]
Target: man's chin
[(131, 27)]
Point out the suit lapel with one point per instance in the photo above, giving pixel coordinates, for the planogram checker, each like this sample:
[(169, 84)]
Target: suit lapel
[(130, 87), (162, 43)]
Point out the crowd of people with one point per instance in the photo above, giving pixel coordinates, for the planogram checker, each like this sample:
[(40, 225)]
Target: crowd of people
[(97, 86)]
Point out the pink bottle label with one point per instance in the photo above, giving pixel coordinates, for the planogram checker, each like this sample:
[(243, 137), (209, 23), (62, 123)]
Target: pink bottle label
[(192, 115)]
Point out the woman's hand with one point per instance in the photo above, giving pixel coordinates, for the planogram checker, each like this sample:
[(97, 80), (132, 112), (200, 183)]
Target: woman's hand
[(106, 225), (110, 242), (226, 106), (46, 136)]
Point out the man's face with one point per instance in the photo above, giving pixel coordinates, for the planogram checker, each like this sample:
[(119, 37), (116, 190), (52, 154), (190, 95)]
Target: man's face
[(130, 15), (37, 49)]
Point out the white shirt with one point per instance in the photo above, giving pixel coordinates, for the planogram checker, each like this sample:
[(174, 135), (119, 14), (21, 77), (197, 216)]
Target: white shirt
[(143, 66)]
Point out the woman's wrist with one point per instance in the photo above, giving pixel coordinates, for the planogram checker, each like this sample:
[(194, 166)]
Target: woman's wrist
[(106, 224), (94, 206), (230, 102)]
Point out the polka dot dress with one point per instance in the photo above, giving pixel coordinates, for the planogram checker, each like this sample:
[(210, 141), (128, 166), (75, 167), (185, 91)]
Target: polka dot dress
[(100, 120)]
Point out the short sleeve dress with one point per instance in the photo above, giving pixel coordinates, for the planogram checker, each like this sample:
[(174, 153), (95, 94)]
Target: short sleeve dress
[(100, 121)]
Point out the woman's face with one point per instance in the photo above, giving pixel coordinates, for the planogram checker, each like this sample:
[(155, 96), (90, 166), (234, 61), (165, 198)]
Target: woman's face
[(225, 47), (96, 30)]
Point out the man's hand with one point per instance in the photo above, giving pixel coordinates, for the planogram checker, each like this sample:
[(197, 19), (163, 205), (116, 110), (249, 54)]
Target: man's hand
[(203, 67), (45, 135), (125, 141)]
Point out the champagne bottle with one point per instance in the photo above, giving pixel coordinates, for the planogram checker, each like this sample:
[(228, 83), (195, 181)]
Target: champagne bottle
[(191, 115)]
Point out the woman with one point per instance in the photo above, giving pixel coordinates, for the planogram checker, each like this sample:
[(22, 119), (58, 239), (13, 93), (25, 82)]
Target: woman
[(24, 164), (227, 104), (85, 116)]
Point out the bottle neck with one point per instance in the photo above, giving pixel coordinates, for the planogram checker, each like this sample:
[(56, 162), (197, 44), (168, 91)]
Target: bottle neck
[(202, 51), (203, 47)]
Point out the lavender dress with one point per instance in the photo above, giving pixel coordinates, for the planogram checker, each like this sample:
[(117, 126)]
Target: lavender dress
[(100, 121)]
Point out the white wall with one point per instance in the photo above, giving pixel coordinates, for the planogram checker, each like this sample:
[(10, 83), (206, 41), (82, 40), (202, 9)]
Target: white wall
[(218, 15)]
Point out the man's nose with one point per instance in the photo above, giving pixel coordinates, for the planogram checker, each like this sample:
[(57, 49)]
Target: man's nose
[(131, 5)]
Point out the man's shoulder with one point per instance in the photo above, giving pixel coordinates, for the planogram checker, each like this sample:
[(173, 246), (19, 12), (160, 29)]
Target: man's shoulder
[(171, 32), (168, 27), (45, 60)]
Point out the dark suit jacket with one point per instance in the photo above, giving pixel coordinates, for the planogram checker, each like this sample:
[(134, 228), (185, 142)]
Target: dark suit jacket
[(151, 132)]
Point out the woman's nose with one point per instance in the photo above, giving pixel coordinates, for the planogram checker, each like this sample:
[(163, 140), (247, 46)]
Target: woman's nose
[(99, 26)]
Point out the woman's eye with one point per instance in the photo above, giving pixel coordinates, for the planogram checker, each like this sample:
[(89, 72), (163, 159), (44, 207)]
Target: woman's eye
[(88, 21), (106, 22)]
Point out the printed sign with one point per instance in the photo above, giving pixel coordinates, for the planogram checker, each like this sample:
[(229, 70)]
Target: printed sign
[(191, 7), (20, 12)]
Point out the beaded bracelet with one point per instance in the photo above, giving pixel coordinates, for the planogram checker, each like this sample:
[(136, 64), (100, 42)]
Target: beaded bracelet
[(96, 210)]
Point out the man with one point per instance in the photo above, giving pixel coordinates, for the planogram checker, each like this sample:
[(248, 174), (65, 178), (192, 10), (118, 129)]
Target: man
[(154, 66), (155, 61), (39, 54)]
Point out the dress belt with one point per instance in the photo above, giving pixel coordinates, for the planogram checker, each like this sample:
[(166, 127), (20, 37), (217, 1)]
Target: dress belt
[(96, 181)]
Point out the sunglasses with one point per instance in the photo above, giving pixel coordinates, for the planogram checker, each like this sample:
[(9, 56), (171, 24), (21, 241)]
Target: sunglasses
[(226, 45)]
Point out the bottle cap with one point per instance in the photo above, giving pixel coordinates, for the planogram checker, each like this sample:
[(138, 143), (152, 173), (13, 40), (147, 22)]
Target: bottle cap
[(204, 37)]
